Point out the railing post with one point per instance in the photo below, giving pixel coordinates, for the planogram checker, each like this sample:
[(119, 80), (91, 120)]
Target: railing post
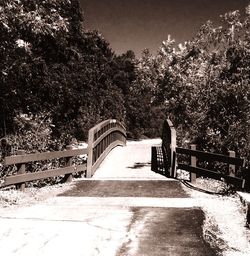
[(69, 177), (90, 153), (153, 159), (21, 170), (193, 164), (231, 166), (173, 152)]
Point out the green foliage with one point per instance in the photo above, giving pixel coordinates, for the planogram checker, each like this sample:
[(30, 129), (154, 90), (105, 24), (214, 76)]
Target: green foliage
[(34, 135), (51, 64), (144, 116), (204, 86)]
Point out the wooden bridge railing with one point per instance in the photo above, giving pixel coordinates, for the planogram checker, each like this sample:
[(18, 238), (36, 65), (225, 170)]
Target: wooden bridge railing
[(21, 159), (102, 139), (196, 155), (170, 158), (169, 147)]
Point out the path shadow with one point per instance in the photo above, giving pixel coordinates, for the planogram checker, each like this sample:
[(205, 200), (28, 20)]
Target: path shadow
[(139, 165)]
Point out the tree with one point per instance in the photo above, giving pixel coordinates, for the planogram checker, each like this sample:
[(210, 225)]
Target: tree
[(50, 63), (204, 85)]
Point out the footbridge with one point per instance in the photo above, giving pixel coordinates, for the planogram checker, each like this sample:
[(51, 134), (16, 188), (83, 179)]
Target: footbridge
[(127, 202)]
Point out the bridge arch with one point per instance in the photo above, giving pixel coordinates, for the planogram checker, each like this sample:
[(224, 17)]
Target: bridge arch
[(102, 138)]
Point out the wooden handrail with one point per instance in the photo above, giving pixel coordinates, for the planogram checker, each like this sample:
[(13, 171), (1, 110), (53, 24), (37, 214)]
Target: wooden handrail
[(210, 156), (20, 178), (102, 139), (107, 133), (19, 159), (212, 174)]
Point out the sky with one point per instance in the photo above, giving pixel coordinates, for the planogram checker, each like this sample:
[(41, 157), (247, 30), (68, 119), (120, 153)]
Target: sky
[(139, 24)]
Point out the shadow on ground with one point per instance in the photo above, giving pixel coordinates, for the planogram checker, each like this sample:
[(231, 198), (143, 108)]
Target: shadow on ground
[(139, 165), (127, 188)]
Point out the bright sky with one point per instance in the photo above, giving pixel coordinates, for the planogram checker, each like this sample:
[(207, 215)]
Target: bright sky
[(140, 24)]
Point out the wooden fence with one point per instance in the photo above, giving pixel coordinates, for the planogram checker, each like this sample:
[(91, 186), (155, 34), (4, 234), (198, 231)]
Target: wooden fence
[(196, 156), (170, 158), (102, 139)]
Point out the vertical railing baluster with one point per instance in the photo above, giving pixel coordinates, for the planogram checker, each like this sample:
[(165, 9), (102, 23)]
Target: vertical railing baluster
[(69, 161), (90, 153), (194, 164), (231, 167), (21, 170)]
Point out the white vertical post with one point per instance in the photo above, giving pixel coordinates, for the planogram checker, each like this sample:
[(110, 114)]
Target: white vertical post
[(21, 170), (193, 164), (173, 152), (90, 153), (231, 166), (69, 177)]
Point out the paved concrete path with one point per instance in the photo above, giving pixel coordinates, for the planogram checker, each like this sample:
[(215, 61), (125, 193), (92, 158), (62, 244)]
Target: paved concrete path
[(124, 210), (130, 162)]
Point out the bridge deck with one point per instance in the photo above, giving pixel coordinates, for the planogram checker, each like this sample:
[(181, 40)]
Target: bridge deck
[(130, 162)]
